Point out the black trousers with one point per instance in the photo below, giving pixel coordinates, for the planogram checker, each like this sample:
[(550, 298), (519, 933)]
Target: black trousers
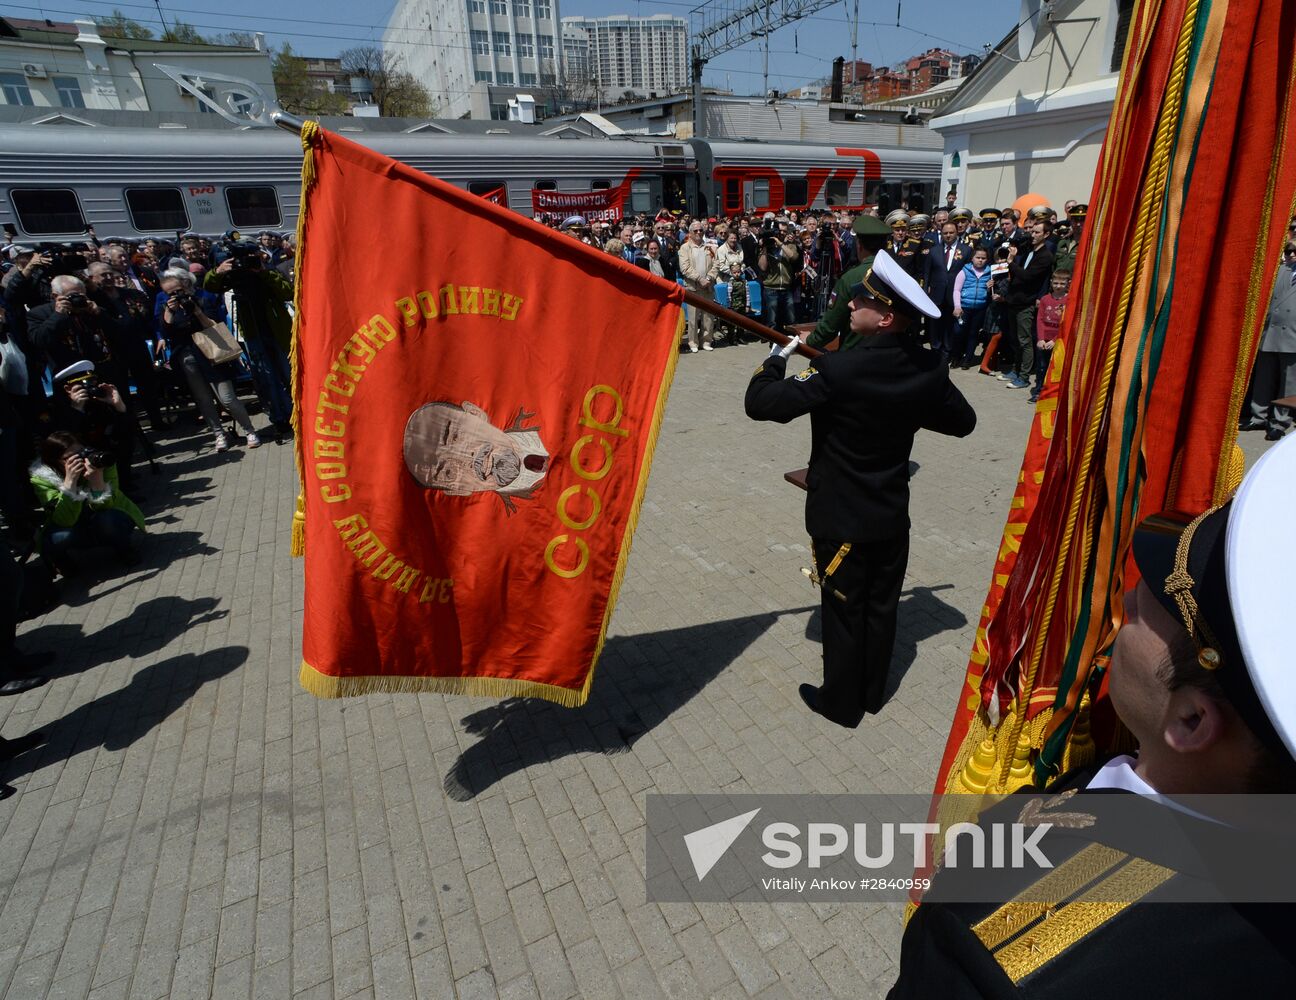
[(859, 598)]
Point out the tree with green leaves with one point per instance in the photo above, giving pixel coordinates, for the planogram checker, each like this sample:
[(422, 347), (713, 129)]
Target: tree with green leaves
[(181, 32), (301, 94), (396, 91), (118, 25)]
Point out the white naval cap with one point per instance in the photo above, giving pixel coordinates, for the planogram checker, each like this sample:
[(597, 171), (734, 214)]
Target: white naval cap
[(1260, 553), (78, 369), (1224, 576), (889, 283)]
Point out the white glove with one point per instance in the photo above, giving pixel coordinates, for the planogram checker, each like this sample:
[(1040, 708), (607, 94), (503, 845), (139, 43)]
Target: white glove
[(787, 350)]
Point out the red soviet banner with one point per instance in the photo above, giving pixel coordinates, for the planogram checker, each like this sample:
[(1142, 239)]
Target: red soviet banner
[(497, 195), (605, 206), (472, 461)]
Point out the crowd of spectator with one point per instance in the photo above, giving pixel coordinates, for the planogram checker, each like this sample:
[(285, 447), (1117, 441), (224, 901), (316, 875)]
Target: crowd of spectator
[(1001, 280), (104, 350)]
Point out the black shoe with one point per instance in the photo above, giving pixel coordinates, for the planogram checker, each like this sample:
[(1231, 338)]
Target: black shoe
[(810, 695), (9, 749), (1253, 425), (1274, 434), (20, 684)]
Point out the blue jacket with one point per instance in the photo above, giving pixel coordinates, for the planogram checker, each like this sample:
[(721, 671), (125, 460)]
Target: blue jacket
[(976, 289)]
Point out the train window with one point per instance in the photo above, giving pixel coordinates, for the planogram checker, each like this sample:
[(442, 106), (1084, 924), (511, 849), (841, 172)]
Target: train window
[(836, 192), (252, 206), (484, 187), (640, 196), (546, 185), (48, 211), (156, 209), (733, 194), (600, 185), (795, 192), (760, 192)]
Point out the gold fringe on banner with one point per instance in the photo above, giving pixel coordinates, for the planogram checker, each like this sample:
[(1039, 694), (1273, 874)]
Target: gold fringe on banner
[(309, 139)]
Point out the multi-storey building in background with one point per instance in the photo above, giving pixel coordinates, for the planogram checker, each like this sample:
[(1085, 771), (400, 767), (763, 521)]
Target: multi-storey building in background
[(644, 55), (468, 53)]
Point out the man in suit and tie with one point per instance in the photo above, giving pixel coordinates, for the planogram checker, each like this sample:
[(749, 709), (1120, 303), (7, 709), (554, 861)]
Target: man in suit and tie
[(944, 261), (1274, 376)]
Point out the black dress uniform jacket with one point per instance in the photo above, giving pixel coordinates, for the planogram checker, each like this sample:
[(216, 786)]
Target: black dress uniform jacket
[(1075, 950), (865, 406)]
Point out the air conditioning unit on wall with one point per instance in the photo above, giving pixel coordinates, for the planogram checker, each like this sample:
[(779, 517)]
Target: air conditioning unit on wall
[(34, 70)]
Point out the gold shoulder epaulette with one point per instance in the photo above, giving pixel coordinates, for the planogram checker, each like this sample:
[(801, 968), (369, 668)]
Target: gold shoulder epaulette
[(1086, 892)]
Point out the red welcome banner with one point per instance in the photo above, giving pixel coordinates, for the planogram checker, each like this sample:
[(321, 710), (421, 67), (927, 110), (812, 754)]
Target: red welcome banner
[(604, 206), (471, 462)]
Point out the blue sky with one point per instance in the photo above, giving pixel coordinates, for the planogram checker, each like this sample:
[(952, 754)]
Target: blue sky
[(798, 54)]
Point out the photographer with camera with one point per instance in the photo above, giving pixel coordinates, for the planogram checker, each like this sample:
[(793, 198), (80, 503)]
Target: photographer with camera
[(71, 328), (127, 315), (95, 411), (85, 506), (181, 311), (778, 268), (263, 321)]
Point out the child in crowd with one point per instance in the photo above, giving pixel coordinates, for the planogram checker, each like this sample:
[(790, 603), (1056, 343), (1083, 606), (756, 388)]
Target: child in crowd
[(1048, 318), (971, 299), (994, 319)]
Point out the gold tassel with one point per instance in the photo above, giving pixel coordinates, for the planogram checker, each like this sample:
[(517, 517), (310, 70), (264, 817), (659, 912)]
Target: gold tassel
[(977, 773), (1080, 750), (297, 547), (309, 138), (1021, 772)]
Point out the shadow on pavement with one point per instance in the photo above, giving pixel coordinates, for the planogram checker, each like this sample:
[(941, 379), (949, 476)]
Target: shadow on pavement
[(149, 627), (116, 720), (640, 681)]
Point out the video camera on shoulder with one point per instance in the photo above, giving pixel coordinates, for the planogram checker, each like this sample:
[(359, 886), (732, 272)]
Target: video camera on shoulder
[(245, 254)]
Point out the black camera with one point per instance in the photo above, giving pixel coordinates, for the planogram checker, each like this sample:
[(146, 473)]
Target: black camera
[(77, 300), (183, 301), (95, 458), (244, 255)]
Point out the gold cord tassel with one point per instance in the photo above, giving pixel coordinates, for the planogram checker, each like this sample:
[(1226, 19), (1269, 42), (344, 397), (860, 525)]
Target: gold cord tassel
[(297, 547), (309, 139)]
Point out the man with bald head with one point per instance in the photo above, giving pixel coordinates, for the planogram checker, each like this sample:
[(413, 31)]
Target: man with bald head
[(454, 448)]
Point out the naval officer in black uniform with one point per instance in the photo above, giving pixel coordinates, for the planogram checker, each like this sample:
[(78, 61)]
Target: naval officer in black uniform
[(865, 406), (1201, 675)]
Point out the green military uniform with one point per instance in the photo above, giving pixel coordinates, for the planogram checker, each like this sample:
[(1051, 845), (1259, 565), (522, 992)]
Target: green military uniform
[(835, 321)]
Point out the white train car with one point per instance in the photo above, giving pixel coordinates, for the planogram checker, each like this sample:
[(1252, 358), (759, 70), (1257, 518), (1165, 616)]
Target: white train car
[(57, 180)]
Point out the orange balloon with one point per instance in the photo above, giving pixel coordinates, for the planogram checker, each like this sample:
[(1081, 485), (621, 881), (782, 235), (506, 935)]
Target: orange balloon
[(1028, 201)]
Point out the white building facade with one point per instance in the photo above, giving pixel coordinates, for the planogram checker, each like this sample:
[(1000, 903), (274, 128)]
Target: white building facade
[(1033, 116), (460, 48), (646, 55), (68, 66)]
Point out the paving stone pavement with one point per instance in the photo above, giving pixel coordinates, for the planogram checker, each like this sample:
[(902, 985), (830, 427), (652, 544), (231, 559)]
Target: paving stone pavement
[(197, 826)]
